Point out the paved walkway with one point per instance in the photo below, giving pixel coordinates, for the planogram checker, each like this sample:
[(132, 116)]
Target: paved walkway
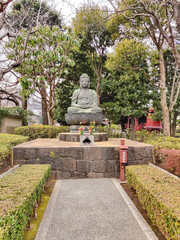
[(92, 209)]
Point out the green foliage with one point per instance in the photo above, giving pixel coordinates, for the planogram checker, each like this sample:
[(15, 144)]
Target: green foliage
[(159, 141), (18, 111), (63, 93), (40, 131), (114, 131), (48, 56), (90, 25), (159, 194), (20, 19), (3, 112), (130, 79), (7, 141), (19, 192)]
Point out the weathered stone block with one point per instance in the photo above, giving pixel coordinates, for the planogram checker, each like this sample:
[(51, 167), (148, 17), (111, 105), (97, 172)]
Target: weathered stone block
[(67, 164), (63, 175), (99, 166), (95, 175), (83, 166), (47, 152), (79, 175), (110, 166), (107, 153), (18, 153), (31, 153), (109, 175), (139, 153), (92, 153), (148, 152), (49, 160), (130, 154), (116, 154), (76, 152)]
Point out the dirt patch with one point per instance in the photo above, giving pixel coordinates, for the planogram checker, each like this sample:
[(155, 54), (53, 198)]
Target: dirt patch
[(4, 168), (132, 194)]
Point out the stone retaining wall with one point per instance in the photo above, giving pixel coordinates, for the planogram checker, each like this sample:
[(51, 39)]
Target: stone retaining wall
[(81, 162)]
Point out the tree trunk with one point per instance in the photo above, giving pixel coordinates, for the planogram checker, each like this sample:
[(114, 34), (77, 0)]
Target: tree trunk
[(24, 104), (51, 119), (133, 127), (44, 113), (97, 89), (44, 106), (174, 124), (165, 110)]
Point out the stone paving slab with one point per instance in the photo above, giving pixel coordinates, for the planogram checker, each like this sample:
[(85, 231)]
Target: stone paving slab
[(92, 209), (53, 142)]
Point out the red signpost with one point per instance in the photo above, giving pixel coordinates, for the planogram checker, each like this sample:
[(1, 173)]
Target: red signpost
[(123, 159)]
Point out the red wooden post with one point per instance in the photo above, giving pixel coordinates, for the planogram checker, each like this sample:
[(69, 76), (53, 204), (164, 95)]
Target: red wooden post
[(123, 159)]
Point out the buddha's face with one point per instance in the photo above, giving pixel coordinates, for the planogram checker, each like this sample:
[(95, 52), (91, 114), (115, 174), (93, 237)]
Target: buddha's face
[(84, 82)]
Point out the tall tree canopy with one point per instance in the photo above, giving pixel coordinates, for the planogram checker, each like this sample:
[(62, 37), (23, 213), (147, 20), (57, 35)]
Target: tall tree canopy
[(129, 59), (90, 26), (46, 60)]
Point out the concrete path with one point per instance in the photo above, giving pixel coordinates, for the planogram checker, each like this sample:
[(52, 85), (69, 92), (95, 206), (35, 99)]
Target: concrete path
[(92, 209)]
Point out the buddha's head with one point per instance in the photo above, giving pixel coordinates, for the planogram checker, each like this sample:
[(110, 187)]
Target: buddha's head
[(84, 81)]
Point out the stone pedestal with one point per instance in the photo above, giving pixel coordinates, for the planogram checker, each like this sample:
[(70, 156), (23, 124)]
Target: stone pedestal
[(75, 137), (86, 140)]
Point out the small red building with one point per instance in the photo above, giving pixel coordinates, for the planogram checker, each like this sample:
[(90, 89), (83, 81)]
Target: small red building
[(145, 122)]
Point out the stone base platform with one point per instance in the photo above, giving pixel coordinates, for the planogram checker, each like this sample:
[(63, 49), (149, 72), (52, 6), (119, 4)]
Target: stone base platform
[(75, 137), (70, 160)]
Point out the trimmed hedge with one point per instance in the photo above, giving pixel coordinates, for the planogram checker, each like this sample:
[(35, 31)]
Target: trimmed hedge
[(40, 131), (160, 196), (7, 141), (19, 192), (158, 141)]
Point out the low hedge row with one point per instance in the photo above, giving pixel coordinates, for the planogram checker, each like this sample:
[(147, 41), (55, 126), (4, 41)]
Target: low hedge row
[(160, 196), (40, 131), (7, 141), (19, 192), (159, 141)]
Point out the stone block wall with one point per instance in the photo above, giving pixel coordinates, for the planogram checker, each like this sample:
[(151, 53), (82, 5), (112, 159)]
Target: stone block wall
[(81, 162), (9, 123)]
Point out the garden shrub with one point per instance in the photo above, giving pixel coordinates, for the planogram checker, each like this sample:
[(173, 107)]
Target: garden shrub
[(158, 140), (113, 131), (159, 194), (19, 192), (40, 131), (18, 111), (7, 141)]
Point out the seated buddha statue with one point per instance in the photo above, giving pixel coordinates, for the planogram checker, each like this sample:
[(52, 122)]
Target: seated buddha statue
[(84, 99)]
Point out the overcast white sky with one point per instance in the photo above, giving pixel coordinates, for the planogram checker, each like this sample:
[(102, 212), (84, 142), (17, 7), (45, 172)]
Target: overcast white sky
[(68, 7)]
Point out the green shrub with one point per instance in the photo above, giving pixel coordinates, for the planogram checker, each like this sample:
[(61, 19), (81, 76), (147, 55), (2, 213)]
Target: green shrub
[(158, 140), (19, 192), (7, 141), (160, 196), (18, 111), (40, 131), (113, 131)]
